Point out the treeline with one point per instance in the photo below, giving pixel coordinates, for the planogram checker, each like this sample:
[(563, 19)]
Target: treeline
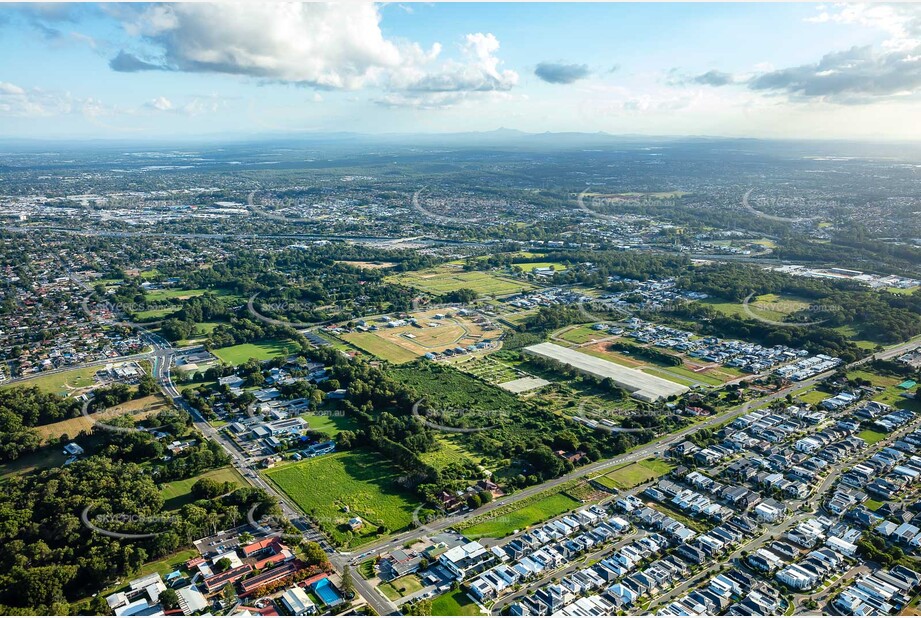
[(51, 559), (647, 353)]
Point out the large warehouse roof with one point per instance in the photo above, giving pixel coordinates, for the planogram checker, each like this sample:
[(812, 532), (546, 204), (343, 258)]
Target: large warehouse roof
[(641, 385)]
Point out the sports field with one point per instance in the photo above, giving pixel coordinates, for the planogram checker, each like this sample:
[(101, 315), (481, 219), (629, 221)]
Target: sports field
[(452, 277), (430, 334), (261, 350), (360, 480)]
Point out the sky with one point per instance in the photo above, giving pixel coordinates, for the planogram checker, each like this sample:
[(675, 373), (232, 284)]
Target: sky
[(162, 71)]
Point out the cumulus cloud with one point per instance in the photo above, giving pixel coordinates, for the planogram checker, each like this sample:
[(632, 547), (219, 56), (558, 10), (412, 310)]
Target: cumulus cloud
[(161, 104), (320, 45), (714, 78), (557, 73), (31, 103), (478, 71), (858, 74), (852, 76)]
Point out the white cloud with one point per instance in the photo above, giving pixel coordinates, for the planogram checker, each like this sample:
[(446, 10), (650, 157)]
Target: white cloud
[(161, 104)]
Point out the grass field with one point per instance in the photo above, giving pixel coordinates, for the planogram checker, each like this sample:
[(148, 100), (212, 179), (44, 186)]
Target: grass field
[(400, 587), (156, 296), (176, 494), (137, 408), (813, 396), (331, 423), (154, 314), (261, 350), (871, 437), (454, 604), (873, 504), (404, 343), (631, 475), (381, 348), (361, 480), (891, 394), (46, 457), (451, 277), (528, 515), (769, 306), (62, 382), (529, 266), (581, 334)]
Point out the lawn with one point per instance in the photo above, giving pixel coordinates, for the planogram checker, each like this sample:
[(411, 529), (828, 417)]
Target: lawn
[(261, 350), (529, 266), (401, 587), (813, 396), (177, 494), (518, 519), (873, 504), (454, 604), (871, 437), (634, 474), (361, 480), (381, 348), (154, 314), (62, 382)]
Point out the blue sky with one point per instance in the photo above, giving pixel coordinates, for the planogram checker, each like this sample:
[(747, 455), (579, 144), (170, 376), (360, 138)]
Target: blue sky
[(761, 70)]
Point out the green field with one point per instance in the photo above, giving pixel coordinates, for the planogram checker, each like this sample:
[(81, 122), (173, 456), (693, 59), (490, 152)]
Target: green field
[(813, 396), (454, 604), (156, 296), (452, 278), (45, 457), (634, 474), (179, 493), (60, 383), (528, 515), (400, 587), (581, 334), (154, 314), (529, 266), (331, 423), (261, 350), (363, 481), (873, 504), (871, 437), (379, 347), (891, 394)]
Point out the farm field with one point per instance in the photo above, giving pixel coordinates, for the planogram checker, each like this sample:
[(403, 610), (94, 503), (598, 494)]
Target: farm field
[(176, 494), (450, 278), (528, 515), (62, 382), (138, 408), (368, 485), (455, 603), (631, 475), (261, 350)]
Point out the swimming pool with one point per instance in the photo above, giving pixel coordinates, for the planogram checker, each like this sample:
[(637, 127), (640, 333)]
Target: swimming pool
[(324, 589)]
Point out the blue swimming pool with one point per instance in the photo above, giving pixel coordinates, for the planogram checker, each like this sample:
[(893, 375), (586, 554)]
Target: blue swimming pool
[(326, 592)]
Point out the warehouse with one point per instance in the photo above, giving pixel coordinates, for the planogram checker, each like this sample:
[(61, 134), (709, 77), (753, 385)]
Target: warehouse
[(641, 385)]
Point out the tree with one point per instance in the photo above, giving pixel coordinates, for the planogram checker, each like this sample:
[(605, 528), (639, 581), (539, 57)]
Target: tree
[(169, 598), (474, 501), (314, 554), (348, 586), (228, 595), (222, 565)]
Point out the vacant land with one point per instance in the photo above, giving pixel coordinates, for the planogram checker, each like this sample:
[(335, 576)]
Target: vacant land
[(534, 513), (400, 587), (138, 409), (381, 348), (529, 266), (156, 296), (360, 480), (451, 277), (176, 494), (368, 265), (46, 457), (61, 382), (891, 394), (454, 604), (631, 475), (769, 306), (261, 350), (581, 334), (871, 437)]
